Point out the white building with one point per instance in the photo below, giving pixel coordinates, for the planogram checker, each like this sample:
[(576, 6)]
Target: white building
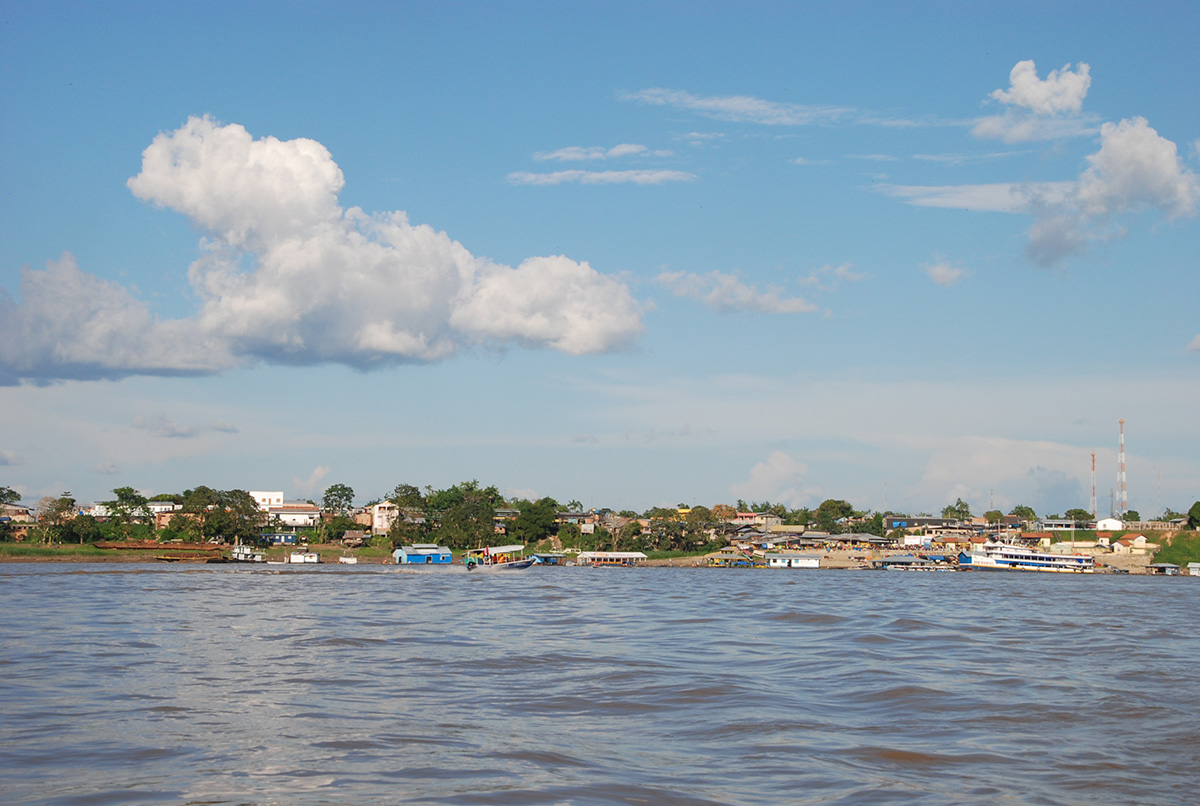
[(383, 515), (1110, 525), (266, 500), (295, 513)]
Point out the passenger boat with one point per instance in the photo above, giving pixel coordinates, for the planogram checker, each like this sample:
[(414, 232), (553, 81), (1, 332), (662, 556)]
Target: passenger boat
[(497, 558), (1006, 557), (304, 557)]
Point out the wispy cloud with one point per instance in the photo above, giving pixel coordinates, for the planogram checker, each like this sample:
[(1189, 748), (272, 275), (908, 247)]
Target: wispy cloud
[(105, 469), (965, 159), (727, 293), (8, 458), (943, 273), (829, 277), (806, 161), (160, 426), (998, 197), (647, 177), (740, 108), (310, 485), (873, 157), (581, 153)]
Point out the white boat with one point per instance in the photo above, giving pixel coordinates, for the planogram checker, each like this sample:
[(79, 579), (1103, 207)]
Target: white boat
[(304, 557), (346, 559), (497, 558), (242, 553), (1006, 557)]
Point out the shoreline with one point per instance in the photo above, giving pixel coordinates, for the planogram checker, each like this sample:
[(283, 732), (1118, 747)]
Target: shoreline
[(834, 560)]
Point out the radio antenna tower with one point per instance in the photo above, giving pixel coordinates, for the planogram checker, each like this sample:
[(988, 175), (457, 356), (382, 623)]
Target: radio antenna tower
[(1093, 501), (1122, 489)]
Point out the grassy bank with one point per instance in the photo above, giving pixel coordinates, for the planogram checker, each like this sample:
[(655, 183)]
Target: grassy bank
[(30, 551), (1183, 548)]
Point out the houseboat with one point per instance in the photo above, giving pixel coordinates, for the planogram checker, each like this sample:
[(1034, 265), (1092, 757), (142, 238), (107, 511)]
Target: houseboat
[(611, 558), (1006, 557)]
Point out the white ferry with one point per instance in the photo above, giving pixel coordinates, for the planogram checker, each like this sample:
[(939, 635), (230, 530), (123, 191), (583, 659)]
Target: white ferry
[(1006, 557)]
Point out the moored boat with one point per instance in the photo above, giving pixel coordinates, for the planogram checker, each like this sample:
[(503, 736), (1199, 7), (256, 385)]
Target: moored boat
[(1007, 557)]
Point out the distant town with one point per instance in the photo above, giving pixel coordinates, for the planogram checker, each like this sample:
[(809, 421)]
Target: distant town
[(469, 515)]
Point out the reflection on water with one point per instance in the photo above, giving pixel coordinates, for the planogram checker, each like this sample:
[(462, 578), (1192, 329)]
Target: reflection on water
[(361, 684)]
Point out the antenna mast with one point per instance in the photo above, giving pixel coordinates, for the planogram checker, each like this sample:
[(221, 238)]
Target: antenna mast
[(1093, 501), (1122, 489)]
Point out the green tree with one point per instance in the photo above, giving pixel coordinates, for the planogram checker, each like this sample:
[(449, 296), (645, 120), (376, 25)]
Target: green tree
[(52, 514), (1023, 512), (9, 496), (534, 521), (1131, 516), (127, 509), (1078, 515), (830, 511), (465, 514), (338, 498), (1194, 516), (994, 516), (406, 496), (874, 525), (959, 510)]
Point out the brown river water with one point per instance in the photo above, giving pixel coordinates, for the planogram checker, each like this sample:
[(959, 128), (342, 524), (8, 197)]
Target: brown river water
[(148, 684)]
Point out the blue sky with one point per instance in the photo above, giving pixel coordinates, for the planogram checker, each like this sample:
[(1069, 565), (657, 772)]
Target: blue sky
[(892, 253)]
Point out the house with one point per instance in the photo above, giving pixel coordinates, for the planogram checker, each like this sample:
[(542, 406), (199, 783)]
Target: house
[(266, 500), (423, 554), (295, 513), (14, 513), (1164, 569), (784, 559), (383, 515), (1109, 525)]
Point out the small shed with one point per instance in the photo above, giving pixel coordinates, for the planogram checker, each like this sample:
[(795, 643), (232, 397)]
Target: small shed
[(1193, 569), (423, 554), (787, 559)]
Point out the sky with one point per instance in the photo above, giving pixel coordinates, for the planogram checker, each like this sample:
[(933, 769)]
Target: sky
[(631, 255)]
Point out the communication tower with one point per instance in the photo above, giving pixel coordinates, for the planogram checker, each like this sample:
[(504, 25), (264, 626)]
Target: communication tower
[(1122, 489), (1093, 501)]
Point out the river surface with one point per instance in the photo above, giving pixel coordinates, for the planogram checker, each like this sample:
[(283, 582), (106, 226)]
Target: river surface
[(147, 684)]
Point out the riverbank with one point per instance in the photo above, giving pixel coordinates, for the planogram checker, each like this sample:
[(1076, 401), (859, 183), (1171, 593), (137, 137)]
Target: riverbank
[(843, 559)]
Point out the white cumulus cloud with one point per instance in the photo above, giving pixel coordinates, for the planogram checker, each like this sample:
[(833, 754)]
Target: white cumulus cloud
[(287, 275), (1135, 169), (727, 292), (779, 478), (1039, 109)]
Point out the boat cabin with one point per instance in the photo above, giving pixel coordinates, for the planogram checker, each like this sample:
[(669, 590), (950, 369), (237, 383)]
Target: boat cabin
[(423, 554)]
